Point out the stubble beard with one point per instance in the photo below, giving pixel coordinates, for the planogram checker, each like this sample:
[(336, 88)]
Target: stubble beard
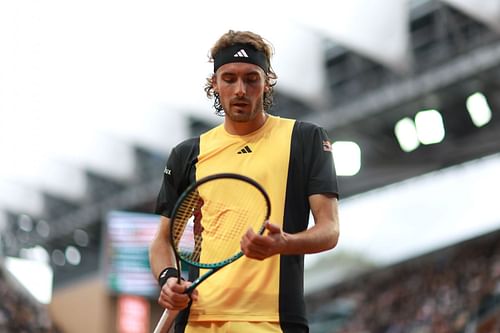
[(236, 114), (243, 116)]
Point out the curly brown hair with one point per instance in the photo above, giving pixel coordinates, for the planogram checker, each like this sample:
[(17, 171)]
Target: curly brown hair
[(242, 37)]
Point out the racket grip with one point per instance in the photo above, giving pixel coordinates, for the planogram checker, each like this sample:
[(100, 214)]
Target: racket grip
[(166, 322)]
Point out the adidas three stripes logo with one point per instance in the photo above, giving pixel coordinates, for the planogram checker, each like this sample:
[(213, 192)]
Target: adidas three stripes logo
[(241, 54), (245, 150)]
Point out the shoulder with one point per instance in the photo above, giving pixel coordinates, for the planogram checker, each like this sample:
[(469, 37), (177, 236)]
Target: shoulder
[(186, 146), (309, 130), (305, 126), (184, 152)]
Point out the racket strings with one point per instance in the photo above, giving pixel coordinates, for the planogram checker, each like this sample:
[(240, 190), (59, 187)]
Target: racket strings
[(237, 217), (187, 239), (212, 219)]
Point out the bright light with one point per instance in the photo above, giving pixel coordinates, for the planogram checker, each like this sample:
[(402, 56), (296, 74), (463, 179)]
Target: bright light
[(430, 128), (25, 222), (73, 256), (81, 237), (478, 108), (406, 133), (43, 228), (58, 257), (347, 157), (35, 276), (36, 253)]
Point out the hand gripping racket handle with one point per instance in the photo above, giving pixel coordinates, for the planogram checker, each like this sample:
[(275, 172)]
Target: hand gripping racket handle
[(166, 322)]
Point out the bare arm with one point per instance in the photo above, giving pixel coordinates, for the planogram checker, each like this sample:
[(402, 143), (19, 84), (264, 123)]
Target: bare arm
[(321, 237), (162, 256)]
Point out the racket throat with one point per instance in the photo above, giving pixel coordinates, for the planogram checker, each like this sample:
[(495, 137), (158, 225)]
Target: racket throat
[(189, 290)]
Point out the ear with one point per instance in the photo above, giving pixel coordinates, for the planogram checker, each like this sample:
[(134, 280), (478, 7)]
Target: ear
[(215, 87)]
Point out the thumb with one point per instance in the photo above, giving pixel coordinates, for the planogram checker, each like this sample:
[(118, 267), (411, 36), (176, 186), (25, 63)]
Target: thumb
[(272, 228)]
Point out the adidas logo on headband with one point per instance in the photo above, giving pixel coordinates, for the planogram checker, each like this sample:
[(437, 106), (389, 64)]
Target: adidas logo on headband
[(241, 54)]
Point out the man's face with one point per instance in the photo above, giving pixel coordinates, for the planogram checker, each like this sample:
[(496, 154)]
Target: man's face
[(241, 88)]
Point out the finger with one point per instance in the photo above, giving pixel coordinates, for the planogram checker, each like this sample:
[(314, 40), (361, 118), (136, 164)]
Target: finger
[(261, 241), (179, 300), (194, 295), (248, 238), (249, 233), (272, 228), (251, 237), (164, 301), (256, 255), (255, 251), (177, 287), (172, 296)]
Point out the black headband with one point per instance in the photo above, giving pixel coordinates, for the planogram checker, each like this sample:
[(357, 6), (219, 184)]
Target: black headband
[(241, 53)]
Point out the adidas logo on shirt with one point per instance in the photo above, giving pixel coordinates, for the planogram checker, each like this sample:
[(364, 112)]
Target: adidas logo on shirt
[(241, 54), (245, 150)]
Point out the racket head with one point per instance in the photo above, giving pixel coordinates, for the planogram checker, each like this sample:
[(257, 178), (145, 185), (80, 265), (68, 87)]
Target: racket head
[(212, 215)]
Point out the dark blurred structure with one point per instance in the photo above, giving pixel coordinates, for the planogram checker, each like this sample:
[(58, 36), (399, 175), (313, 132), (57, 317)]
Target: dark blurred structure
[(453, 57)]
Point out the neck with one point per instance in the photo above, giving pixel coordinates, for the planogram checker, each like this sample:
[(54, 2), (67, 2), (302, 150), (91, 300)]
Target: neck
[(245, 127)]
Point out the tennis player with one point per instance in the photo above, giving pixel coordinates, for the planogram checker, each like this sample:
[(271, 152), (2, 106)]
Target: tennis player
[(292, 160)]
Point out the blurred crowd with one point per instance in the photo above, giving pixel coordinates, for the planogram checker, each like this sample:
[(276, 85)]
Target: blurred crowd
[(19, 313), (450, 291), (453, 290)]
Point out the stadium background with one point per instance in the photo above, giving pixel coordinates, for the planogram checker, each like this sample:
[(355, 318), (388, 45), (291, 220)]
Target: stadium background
[(92, 97)]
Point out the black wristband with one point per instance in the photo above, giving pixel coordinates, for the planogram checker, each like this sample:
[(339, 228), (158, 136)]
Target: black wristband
[(166, 274)]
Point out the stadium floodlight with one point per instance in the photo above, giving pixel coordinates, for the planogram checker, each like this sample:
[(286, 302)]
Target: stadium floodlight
[(58, 257), (430, 127), (347, 157), (35, 276), (406, 133), (478, 108), (43, 228), (72, 255), (81, 238), (25, 222), (36, 253)]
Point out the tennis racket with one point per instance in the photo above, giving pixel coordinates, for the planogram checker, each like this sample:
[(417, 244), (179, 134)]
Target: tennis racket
[(207, 224)]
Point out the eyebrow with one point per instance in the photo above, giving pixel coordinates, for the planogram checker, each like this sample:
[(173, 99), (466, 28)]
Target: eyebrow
[(252, 72)]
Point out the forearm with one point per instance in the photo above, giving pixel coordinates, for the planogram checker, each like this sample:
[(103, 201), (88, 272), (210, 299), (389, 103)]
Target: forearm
[(160, 256), (318, 238), (160, 251), (323, 235)]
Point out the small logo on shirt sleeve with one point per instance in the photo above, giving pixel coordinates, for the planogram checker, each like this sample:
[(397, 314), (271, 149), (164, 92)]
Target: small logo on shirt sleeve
[(327, 145), (167, 171)]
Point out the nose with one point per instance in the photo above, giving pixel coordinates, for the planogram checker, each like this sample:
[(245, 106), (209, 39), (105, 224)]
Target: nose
[(240, 88)]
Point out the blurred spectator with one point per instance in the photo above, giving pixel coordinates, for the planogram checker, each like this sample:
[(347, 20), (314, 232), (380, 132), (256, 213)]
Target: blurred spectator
[(448, 291), (19, 313)]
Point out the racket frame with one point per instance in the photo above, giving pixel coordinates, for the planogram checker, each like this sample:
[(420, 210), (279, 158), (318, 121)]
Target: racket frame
[(168, 317)]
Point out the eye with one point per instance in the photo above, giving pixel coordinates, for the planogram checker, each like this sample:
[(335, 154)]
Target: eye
[(253, 77), (228, 78)]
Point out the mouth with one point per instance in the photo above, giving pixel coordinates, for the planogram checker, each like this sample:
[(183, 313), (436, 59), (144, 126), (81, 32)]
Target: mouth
[(240, 104)]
